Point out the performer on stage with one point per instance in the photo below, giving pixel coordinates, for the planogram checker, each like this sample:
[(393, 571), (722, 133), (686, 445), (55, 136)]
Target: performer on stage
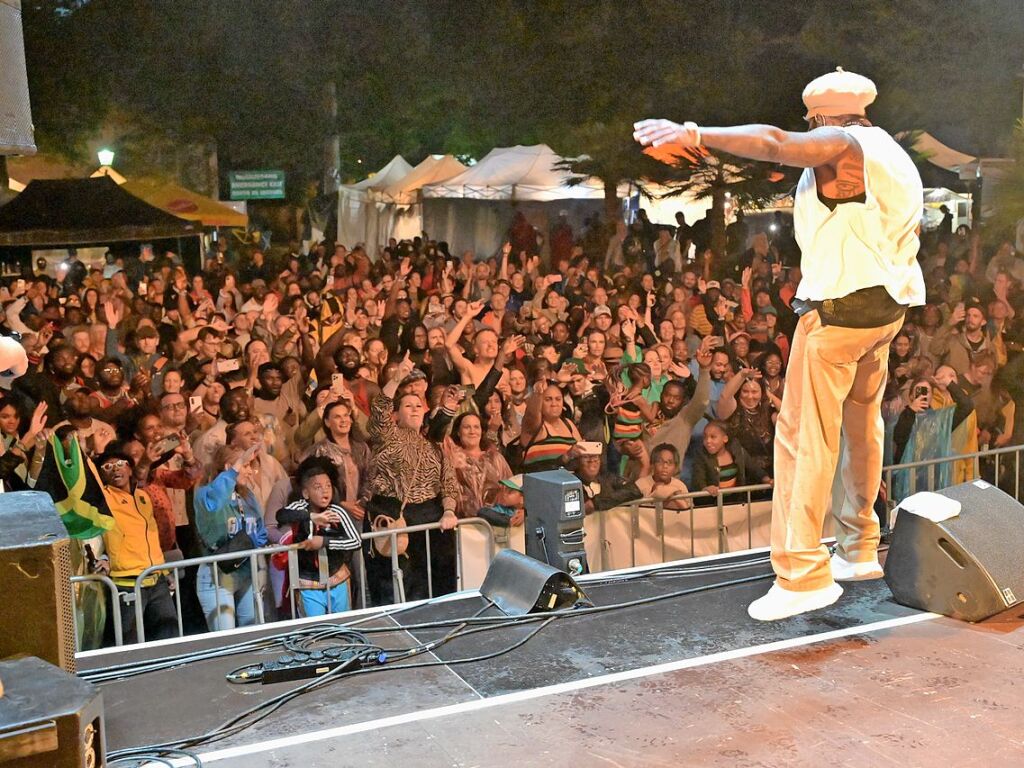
[(856, 217)]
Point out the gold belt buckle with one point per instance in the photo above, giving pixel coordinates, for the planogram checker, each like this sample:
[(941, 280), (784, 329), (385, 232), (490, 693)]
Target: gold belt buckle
[(829, 306)]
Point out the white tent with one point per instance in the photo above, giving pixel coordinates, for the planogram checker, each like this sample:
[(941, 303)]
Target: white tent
[(473, 211), (361, 218), (404, 195), (517, 173)]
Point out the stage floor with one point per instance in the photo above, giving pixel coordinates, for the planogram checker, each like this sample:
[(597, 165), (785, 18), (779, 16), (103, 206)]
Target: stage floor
[(684, 681)]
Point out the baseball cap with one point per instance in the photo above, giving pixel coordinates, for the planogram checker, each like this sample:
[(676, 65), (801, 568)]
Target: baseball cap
[(838, 93), (713, 284), (602, 309), (515, 482)]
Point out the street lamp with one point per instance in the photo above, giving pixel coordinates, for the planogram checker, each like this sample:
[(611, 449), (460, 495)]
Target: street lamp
[(106, 157)]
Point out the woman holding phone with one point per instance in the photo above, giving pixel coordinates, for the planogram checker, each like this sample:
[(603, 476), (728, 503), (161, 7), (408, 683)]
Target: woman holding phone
[(228, 517)]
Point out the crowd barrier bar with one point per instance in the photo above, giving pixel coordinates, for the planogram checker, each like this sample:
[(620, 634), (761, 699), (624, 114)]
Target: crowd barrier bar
[(112, 587), (930, 465), (254, 555), (658, 505), (397, 582), (635, 506)]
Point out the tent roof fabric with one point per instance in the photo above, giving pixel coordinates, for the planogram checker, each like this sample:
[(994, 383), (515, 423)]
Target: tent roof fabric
[(941, 155), (396, 169), (517, 173), (433, 170), (184, 203), (82, 211)]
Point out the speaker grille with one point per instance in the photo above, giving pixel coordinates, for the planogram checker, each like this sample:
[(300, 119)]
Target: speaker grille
[(16, 133), (66, 616), (991, 527)]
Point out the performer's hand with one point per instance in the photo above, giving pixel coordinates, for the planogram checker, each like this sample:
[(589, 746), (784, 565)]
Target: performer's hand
[(654, 133)]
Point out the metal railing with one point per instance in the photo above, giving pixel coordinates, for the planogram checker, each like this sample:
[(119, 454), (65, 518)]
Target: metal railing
[(255, 555), (981, 462), (112, 588), (637, 506)]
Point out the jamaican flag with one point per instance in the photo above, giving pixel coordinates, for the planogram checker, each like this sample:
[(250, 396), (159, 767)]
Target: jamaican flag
[(74, 485)]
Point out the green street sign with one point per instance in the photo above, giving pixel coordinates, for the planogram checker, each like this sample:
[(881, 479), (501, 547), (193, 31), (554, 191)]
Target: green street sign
[(256, 185)]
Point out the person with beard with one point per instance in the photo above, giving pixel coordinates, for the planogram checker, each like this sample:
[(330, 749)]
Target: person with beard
[(235, 406), (53, 384), (963, 336), (442, 369), (676, 417), (279, 405), (348, 362), (113, 396)]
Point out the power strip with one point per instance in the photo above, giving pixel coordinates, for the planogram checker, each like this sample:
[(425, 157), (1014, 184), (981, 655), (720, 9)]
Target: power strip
[(303, 666)]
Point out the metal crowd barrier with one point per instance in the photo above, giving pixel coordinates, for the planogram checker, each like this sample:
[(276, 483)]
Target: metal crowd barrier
[(636, 507), (981, 462), (994, 459), (112, 588), (254, 556)]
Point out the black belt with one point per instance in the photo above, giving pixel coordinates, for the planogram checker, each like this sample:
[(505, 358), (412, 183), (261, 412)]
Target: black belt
[(866, 308)]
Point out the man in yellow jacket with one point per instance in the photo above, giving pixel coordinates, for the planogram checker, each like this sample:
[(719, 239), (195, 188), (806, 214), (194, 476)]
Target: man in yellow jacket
[(132, 546)]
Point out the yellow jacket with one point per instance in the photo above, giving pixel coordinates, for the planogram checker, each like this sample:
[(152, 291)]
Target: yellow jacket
[(134, 543)]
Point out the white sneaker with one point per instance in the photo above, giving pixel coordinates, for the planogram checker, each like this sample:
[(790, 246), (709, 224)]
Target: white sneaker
[(844, 570), (782, 603)]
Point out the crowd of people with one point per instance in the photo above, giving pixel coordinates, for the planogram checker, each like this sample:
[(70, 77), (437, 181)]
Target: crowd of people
[(310, 397)]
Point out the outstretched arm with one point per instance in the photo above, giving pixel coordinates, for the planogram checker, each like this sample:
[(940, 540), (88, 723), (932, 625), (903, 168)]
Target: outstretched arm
[(822, 146)]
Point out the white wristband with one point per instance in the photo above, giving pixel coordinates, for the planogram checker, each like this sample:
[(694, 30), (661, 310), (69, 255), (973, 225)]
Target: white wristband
[(689, 125)]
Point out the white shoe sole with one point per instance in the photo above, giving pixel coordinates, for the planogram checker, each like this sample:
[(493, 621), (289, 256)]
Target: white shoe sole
[(781, 603), (846, 571)]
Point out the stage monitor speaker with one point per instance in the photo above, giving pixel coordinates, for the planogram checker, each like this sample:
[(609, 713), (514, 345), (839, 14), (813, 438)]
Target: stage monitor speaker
[(16, 131), (518, 585), (49, 718), (554, 520), (968, 567), (35, 581)]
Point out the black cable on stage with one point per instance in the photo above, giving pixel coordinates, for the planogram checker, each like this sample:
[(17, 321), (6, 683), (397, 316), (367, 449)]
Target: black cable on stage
[(136, 757), (132, 669), (260, 711)]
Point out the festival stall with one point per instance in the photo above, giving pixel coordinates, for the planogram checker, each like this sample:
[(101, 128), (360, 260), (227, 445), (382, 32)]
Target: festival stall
[(361, 217), (404, 196), (473, 211)]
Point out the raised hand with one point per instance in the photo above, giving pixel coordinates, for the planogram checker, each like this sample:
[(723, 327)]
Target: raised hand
[(628, 329), (112, 313), (475, 308), (405, 366), (958, 314), (706, 352), (37, 425), (405, 268), (655, 132), (745, 277), (270, 303), (512, 345)]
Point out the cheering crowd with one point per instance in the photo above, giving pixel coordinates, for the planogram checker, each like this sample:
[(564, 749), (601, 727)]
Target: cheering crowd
[(311, 397)]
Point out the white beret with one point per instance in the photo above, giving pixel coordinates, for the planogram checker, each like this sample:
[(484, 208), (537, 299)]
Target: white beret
[(839, 93)]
